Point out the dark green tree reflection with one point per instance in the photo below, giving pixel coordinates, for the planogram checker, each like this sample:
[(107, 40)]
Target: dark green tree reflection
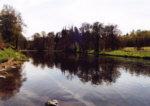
[(87, 68), (11, 85), (90, 68)]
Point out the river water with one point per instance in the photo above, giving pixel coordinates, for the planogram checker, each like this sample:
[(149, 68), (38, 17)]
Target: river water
[(77, 80)]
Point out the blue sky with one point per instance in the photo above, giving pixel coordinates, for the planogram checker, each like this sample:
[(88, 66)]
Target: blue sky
[(53, 15)]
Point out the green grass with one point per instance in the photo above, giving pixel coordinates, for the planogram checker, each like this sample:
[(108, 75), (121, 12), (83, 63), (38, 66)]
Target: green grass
[(133, 49), (10, 53), (126, 52)]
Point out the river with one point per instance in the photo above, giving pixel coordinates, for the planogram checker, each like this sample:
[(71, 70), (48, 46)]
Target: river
[(77, 80)]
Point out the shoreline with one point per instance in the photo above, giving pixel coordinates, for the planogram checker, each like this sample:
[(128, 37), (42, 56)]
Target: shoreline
[(10, 59), (120, 53), (7, 66)]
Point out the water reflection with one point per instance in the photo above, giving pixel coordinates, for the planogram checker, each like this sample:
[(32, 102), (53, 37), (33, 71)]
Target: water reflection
[(136, 67), (96, 70), (11, 85), (69, 78)]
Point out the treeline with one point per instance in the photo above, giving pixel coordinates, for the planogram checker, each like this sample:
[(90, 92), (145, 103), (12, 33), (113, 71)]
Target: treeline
[(42, 41), (89, 37), (96, 36), (136, 39)]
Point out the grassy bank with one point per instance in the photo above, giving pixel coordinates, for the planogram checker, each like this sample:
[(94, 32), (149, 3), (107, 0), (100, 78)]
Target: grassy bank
[(7, 54), (126, 52)]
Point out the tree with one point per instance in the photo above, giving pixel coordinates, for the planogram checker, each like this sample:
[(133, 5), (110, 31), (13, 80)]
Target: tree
[(37, 43), (50, 41), (86, 39), (76, 38), (2, 44), (11, 25), (97, 32), (22, 42), (136, 39), (112, 37)]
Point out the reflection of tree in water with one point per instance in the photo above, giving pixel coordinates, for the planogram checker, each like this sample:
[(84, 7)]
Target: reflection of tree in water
[(90, 68), (137, 67), (87, 68), (41, 58), (11, 84)]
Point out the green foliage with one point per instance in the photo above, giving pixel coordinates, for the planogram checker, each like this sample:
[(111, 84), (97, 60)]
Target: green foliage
[(10, 53), (91, 51), (42, 41), (129, 52), (11, 25), (136, 39)]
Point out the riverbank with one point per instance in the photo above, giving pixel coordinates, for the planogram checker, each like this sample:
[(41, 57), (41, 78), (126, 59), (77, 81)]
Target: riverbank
[(5, 67), (7, 54), (144, 52), (10, 59)]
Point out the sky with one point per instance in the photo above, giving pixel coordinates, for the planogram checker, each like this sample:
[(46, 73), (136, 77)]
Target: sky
[(53, 15)]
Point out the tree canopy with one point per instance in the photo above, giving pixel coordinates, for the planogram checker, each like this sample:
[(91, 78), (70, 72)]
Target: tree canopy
[(11, 25)]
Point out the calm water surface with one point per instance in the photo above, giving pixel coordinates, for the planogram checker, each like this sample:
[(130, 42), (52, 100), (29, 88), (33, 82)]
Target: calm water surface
[(77, 80)]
